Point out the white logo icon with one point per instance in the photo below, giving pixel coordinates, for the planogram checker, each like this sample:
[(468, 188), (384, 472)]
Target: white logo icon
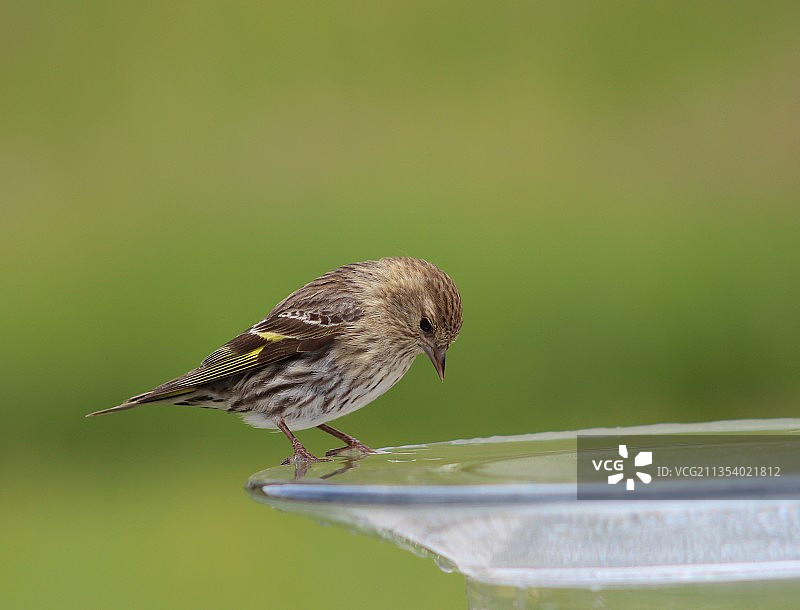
[(643, 458)]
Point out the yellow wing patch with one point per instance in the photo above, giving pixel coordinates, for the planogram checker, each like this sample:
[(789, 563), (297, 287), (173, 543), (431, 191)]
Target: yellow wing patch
[(225, 361), (273, 337), (243, 345)]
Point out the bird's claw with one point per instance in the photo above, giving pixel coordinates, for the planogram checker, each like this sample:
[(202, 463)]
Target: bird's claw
[(353, 450)]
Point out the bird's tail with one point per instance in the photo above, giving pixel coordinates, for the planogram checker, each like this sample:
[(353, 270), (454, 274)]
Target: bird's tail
[(141, 399), (122, 407)]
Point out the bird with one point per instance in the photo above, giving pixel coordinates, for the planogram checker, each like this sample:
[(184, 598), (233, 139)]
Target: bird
[(328, 349)]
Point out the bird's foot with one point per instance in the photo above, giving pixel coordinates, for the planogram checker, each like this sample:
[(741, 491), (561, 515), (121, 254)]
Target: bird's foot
[(355, 449), (302, 456)]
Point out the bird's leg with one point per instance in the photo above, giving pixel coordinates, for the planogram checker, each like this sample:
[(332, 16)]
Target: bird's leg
[(301, 454), (353, 445)]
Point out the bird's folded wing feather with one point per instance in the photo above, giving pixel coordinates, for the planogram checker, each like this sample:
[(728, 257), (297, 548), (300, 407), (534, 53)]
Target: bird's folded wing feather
[(278, 336)]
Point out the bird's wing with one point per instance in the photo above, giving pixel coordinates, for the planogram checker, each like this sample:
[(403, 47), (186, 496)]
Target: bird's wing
[(278, 336)]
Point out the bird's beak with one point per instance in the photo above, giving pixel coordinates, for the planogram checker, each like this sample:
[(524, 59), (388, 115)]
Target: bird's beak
[(437, 356)]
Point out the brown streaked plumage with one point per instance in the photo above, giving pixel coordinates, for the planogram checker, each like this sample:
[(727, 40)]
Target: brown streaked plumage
[(327, 349)]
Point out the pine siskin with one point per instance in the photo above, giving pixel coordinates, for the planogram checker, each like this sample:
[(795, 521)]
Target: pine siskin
[(327, 349)]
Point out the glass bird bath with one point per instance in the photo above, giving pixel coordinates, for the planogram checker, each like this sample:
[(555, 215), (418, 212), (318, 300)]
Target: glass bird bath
[(505, 513)]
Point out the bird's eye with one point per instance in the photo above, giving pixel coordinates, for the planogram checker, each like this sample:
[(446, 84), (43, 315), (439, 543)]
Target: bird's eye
[(425, 325)]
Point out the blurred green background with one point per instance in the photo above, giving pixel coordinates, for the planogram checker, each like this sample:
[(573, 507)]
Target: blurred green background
[(614, 187)]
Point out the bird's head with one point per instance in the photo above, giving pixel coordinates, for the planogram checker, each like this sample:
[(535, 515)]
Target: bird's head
[(422, 308)]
